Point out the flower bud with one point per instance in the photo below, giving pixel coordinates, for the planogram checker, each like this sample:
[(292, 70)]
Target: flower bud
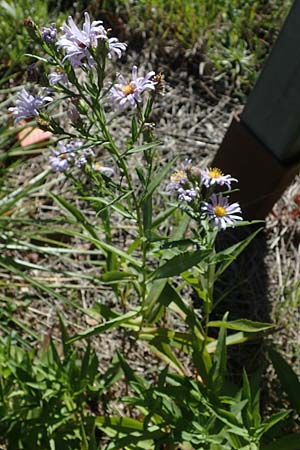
[(32, 29), (29, 24), (160, 86), (195, 173), (44, 124), (49, 34), (73, 114)]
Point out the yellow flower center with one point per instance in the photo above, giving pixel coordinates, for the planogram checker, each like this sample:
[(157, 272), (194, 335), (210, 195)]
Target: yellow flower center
[(128, 89), (178, 176), (214, 172), (97, 166), (63, 156), (220, 211)]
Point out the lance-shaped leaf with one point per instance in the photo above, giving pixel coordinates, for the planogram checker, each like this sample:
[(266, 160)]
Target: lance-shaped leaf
[(142, 148), (245, 325), (108, 325), (179, 263), (288, 379), (227, 256), (156, 181), (290, 442)]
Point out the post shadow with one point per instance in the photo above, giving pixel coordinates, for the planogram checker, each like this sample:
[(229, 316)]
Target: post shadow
[(262, 150)]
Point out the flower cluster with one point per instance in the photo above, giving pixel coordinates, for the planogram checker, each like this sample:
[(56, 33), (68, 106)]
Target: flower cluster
[(49, 34), (184, 183), (79, 44), (74, 154), (195, 186)]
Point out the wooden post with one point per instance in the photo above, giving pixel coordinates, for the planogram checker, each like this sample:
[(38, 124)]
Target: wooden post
[(262, 150)]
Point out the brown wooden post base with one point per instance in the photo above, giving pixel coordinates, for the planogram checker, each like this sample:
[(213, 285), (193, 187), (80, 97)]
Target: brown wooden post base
[(262, 177)]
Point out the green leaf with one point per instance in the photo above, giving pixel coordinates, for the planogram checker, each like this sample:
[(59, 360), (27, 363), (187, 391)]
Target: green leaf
[(78, 215), (134, 129), (147, 214), (120, 424), (163, 350), (143, 148), (158, 179), (272, 421), (245, 325), (116, 275), (162, 217), (233, 339), (109, 325), (160, 296), (138, 384), (288, 379), (290, 442), (227, 256), (217, 372), (179, 263)]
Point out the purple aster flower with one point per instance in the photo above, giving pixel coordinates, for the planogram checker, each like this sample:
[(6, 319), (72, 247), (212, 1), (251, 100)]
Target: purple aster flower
[(27, 105), (77, 43), (108, 171), (213, 176), (81, 161), (221, 212), (115, 48), (84, 156), (178, 179), (187, 195), (49, 34), (130, 92), (57, 77), (62, 158), (70, 154)]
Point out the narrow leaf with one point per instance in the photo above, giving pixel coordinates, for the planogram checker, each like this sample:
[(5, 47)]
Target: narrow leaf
[(179, 263), (109, 325), (290, 442), (288, 379), (245, 325)]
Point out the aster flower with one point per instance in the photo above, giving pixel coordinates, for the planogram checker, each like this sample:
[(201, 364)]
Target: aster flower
[(49, 34), (214, 176), (84, 156), (130, 92), (77, 43), (221, 212), (108, 171), (115, 48), (187, 195), (70, 154), (62, 158), (178, 179), (27, 105), (57, 77)]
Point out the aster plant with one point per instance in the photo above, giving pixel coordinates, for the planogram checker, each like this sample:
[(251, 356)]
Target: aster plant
[(170, 222)]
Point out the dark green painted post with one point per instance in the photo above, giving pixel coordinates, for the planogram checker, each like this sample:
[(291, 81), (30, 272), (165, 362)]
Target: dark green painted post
[(262, 150)]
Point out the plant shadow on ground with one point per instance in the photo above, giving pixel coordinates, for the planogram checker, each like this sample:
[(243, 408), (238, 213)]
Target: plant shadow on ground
[(244, 289)]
